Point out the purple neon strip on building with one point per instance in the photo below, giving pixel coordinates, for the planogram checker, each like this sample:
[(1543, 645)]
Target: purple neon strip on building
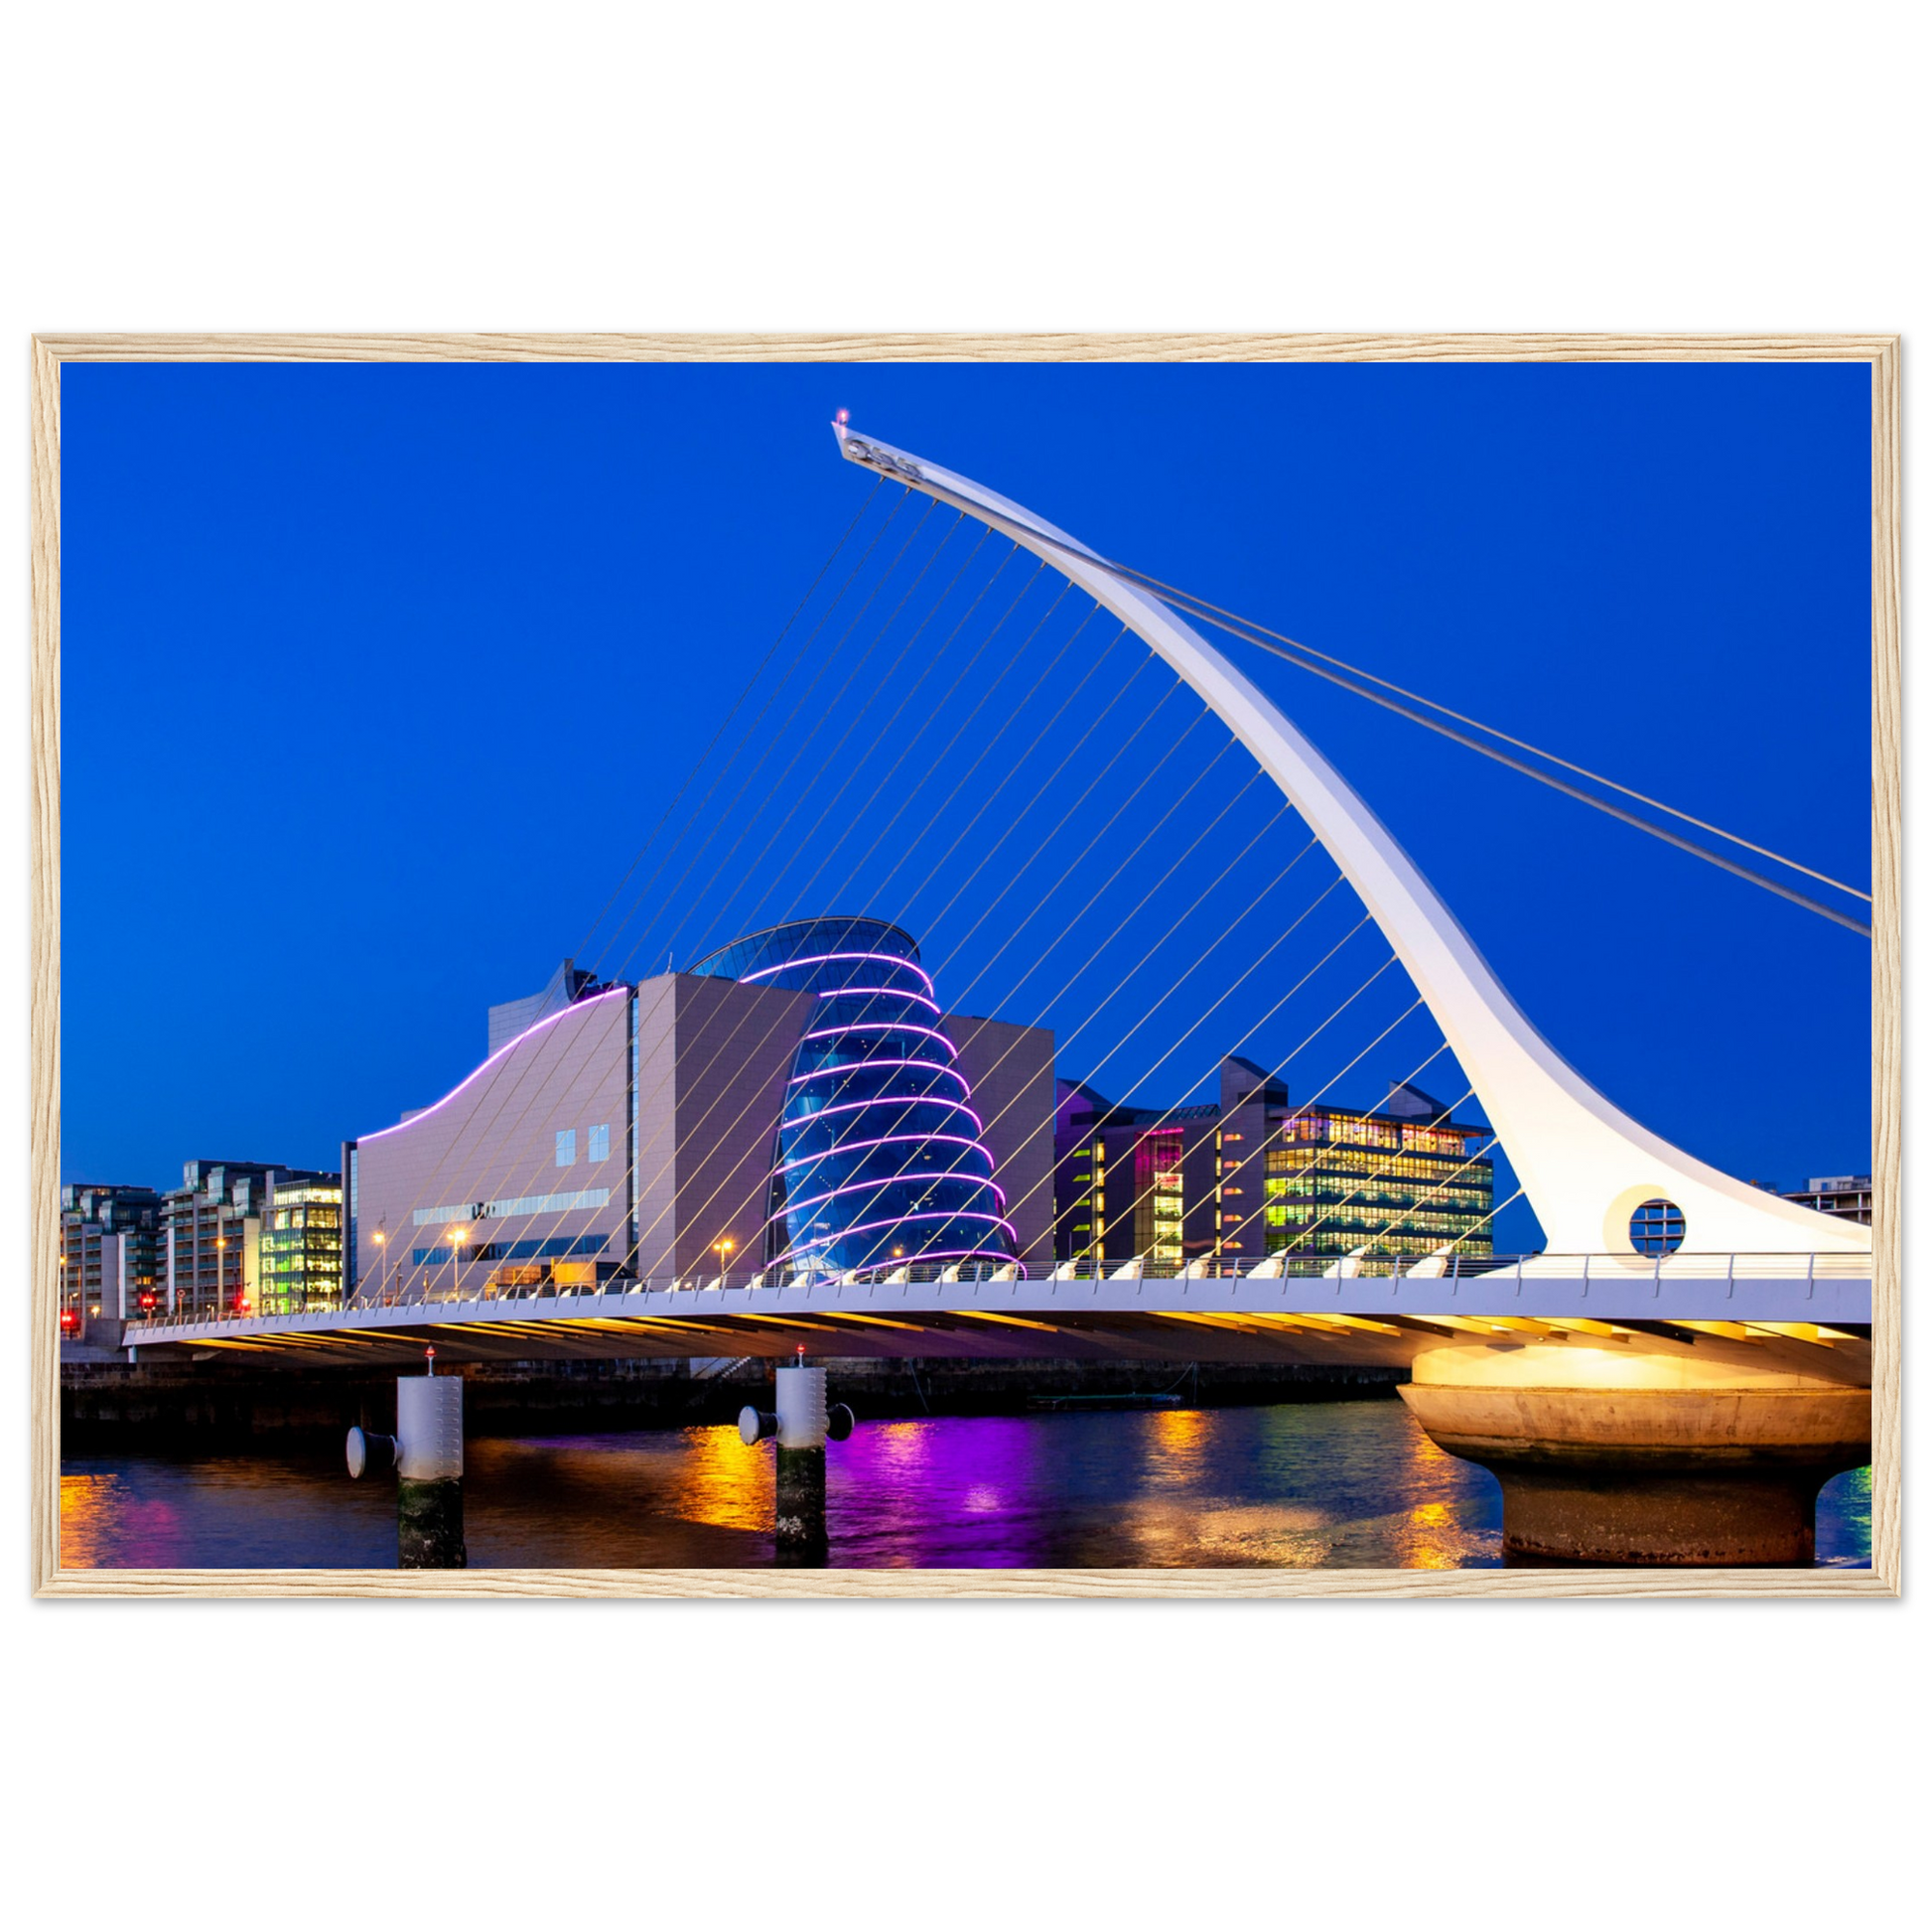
[(508, 1046)]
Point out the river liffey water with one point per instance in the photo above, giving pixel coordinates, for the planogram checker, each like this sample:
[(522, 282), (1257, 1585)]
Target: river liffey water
[(1300, 1485)]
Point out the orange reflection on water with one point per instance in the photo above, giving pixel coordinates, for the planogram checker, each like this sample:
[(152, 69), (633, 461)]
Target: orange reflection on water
[(899, 1446), (721, 1481), (1178, 1428), (84, 1501)]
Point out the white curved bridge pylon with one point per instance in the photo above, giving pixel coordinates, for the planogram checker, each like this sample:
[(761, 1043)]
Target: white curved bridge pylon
[(1583, 1164)]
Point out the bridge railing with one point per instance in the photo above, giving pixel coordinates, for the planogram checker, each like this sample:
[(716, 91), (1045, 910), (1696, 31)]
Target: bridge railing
[(620, 1290)]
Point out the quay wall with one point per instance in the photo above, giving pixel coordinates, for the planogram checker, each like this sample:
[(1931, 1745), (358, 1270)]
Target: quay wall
[(121, 1406)]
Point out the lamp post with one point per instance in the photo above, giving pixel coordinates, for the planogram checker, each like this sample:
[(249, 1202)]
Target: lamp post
[(221, 1282), (724, 1248), (382, 1271), (455, 1242)]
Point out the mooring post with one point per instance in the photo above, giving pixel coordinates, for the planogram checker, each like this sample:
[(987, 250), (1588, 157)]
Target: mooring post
[(427, 1454), (802, 1423)]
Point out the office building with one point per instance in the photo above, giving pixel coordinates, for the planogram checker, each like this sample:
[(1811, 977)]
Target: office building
[(211, 1234), (109, 1250), (1231, 1182), (300, 1268), (1848, 1195)]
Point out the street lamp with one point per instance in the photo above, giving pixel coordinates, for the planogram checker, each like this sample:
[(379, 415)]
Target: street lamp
[(220, 1284), (382, 1278), (724, 1248), (455, 1242)]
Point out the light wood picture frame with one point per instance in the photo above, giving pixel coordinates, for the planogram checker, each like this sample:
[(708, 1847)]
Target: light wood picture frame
[(50, 353)]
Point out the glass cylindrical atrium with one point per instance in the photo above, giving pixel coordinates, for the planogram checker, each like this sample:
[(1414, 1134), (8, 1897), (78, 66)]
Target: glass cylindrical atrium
[(880, 1162)]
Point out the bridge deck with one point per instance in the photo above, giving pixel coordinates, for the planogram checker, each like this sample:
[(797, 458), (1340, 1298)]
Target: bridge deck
[(1360, 1319)]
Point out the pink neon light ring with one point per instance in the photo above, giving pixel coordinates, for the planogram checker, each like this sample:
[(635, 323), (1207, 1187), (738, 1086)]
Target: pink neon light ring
[(888, 1139), (881, 1027), (884, 1100), (848, 1067), (889, 1181), (880, 993), (824, 958), (900, 1220)]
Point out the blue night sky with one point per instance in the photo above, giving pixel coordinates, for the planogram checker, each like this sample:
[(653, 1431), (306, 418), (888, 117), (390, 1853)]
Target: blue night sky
[(377, 680)]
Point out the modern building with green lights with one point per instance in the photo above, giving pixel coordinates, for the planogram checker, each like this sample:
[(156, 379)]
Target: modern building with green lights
[(300, 1265), (1233, 1181)]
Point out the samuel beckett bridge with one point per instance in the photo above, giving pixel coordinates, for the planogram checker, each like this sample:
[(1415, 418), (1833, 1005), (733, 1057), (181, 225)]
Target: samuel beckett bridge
[(806, 1144)]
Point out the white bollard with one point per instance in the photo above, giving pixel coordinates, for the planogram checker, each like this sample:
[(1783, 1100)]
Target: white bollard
[(429, 1472), (429, 1428)]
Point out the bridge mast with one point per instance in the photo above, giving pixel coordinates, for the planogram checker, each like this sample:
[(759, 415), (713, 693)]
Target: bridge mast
[(1585, 1164)]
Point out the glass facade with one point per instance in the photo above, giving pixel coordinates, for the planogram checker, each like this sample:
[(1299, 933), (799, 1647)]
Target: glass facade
[(1347, 1181), (880, 1162), (300, 1253), (1160, 1200)]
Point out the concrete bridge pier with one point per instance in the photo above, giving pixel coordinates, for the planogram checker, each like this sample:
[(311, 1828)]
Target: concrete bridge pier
[(1606, 1456)]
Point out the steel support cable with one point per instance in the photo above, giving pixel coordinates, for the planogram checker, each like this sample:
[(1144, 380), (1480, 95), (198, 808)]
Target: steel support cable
[(725, 724), (1100, 717), (760, 916), (831, 760), (1014, 765), (550, 1073), (1013, 882), (1173, 987), (1069, 926), (936, 815), (1381, 1172), (1254, 633), (1493, 1213), (986, 857), (946, 752), (777, 789), (762, 745), (1334, 1080), (1167, 1115), (435, 1181)]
